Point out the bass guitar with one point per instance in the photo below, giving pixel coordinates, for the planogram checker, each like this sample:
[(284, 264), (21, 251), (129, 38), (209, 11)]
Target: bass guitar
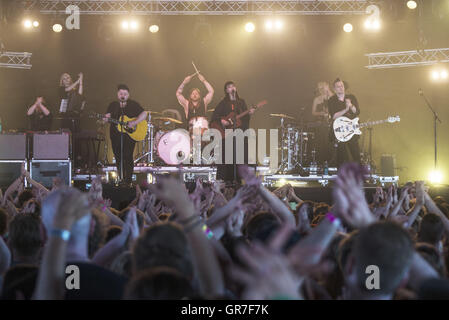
[(345, 128)]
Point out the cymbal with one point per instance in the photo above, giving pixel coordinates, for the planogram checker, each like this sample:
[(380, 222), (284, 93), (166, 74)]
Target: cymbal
[(210, 110), (168, 119), (281, 115), (154, 112)]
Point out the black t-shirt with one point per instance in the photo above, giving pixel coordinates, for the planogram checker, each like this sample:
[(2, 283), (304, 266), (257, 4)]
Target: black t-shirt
[(75, 101), (225, 107), (39, 121), (131, 110), (335, 105)]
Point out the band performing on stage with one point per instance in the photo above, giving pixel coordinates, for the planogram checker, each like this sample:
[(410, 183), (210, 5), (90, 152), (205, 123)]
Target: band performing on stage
[(310, 143)]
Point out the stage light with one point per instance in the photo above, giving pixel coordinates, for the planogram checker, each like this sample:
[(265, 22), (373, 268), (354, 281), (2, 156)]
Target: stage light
[(154, 28), (27, 24), (435, 177), (269, 25), (347, 27), (371, 24), (439, 74), (412, 4), (35, 23), (278, 24), (250, 27), (125, 25), (57, 27), (134, 25)]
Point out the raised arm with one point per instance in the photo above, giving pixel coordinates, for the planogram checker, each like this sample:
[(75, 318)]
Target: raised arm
[(181, 99), (210, 91), (80, 88)]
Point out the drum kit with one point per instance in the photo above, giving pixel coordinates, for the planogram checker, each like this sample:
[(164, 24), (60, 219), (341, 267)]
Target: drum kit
[(298, 145), (168, 142)]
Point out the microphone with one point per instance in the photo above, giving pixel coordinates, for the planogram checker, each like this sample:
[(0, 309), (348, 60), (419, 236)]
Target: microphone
[(420, 92)]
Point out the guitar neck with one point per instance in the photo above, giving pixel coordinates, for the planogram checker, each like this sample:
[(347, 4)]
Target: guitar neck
[(371, 123)]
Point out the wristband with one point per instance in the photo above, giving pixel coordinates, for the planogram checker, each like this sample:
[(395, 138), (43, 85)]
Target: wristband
[(60, 233), (333, 219), (208, 232)]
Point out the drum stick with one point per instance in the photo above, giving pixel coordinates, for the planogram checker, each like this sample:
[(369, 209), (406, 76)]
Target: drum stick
[(197, 72)]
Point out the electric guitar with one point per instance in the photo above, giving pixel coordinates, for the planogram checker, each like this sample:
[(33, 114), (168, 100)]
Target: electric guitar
[(345, 128), (234, 117), (137, 134)]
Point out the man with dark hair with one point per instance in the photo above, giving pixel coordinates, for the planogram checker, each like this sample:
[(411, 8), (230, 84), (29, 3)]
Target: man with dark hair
[(431, 230), (121, 141), (382, 246), (231, 103), (344, 105), (25, 239)]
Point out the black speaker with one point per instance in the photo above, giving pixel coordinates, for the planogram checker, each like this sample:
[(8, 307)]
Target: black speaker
[(13, 146), (9, 172), (387, 165), (43, 171)]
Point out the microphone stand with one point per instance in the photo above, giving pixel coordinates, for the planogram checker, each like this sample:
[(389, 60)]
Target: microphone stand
[(121, 145), (435, 118)]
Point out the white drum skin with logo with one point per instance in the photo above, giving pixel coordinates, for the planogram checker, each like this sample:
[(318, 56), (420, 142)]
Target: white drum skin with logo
[(174, 146)]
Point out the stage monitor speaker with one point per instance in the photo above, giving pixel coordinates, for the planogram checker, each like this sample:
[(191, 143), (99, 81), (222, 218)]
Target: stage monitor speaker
[(43, 171), (13, 146), (387, 165), (51, 146), (10, 171)]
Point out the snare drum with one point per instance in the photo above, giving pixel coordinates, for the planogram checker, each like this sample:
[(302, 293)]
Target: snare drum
[(173, 147)]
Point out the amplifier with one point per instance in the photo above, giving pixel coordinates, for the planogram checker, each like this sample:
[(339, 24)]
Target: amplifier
[(9, 171), (43, 171), (387, 165), (13, 146), (51, 146)]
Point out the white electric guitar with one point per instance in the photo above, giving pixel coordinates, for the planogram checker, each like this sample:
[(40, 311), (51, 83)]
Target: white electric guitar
[(345, 128)]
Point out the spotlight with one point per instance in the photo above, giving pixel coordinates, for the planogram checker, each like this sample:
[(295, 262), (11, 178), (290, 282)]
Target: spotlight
[(278, 24), (134, 25), (250, 27), (435, 75), (435, 177), (125, 25), (269, 25), (27, 24), (35, 24), (347, 27), (57, 27), (154, 28), (439, 74), (371, 24), (412, 4)]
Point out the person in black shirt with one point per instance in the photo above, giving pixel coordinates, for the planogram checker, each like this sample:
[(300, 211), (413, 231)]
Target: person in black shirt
[(39, 116), (344, 105), (131, 109), (71, 102), (231, 102)]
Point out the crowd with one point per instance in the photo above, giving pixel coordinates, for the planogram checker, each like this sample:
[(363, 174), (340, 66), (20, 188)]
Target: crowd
[(219, 242)]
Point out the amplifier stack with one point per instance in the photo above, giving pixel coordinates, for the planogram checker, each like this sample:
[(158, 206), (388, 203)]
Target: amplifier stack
[(45, 155)]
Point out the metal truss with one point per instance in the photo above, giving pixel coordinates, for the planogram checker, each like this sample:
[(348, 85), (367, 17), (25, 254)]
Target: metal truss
[(407, 58), (15, 60), (205, 7)]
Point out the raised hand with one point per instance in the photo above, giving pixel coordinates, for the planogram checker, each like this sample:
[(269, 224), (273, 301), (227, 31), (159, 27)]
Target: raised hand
[(268, 272), (350, 194), (201, 77), (73, 205), (249, 176)]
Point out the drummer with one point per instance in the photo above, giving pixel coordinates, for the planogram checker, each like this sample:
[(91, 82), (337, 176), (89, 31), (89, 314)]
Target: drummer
[(195, 107)]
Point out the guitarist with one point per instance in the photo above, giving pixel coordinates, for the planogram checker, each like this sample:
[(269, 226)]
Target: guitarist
[(344, 105), (131, 109), (231, 103)]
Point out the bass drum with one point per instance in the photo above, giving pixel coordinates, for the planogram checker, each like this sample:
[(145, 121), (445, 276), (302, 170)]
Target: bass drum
[(173, 147)]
